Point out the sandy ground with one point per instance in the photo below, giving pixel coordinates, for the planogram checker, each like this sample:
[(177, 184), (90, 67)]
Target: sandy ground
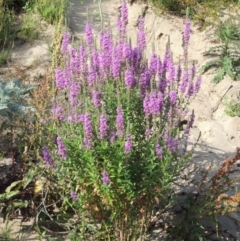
[(220, 134)]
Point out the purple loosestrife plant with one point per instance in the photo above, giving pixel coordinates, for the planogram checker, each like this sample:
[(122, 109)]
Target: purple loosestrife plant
[(125, 116)]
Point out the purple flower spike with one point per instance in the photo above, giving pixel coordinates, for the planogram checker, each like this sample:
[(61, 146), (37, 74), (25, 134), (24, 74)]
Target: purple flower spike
[(171, 71), (172, 97), (198, 84), (60, 78), (89, 35), (126, 51), (58, 113), (141, 34), (190, 89), (65, 42), (74, 196), (172, 144), (128, 144), (116, 64), (120, 122), (88, 131), (103, 126), (61, 148), (183, 85), (47, 158), (186, 33), (154, 64), (158, 150), (96, 98), (73, 94), (105, 178), (130, 80), (124, 14), (112, 137)]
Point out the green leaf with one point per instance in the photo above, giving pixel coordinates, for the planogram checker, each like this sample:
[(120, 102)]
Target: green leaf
[(219, 76), (16, 184), (209, 65), (8, 195), (28, 178), (228, 67)]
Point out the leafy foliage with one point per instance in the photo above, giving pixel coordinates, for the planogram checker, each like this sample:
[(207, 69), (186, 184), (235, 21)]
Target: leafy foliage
[(226, 56), (232, 108), (13, 97)]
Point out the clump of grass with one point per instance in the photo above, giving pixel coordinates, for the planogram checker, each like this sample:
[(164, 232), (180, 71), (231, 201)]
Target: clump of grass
[(30, 29), (51, 10)]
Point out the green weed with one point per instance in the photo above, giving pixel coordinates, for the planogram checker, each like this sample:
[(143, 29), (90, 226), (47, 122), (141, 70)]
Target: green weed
[(232, 108), (226, 55)]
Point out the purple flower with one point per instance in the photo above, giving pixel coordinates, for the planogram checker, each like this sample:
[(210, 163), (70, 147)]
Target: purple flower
[(105, 178), (96, 98), (112, 136), (83, 59), (162, 85), (61, 148), (79, 118), (145, 79), (153, 103), (47, 158), (198, 84), (172, 97), (187, 31), (128, 144), (92, 76), (141, 34), (154, 63), (70, 119), (103, 126), (171, 71), (135, 60), (120, 122), (58, 113), (179, 73), (60, 78), (171, 143), (193, 71), (95, 60), (88, 34), (65, 42), (106, 42), (184, 83), (148, 133), (73, 93), (190, 89), (124, 14), (74, 196), (126, 50), (158, 150), (88, 135), (130, 80), (116, 64)]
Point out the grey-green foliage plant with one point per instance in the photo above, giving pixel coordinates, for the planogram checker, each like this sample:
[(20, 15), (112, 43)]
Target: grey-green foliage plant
[(226, 55), (232, 107), (13, 99)]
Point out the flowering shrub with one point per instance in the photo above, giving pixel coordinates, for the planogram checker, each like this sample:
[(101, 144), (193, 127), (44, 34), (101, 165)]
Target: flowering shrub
[(119, 139)]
